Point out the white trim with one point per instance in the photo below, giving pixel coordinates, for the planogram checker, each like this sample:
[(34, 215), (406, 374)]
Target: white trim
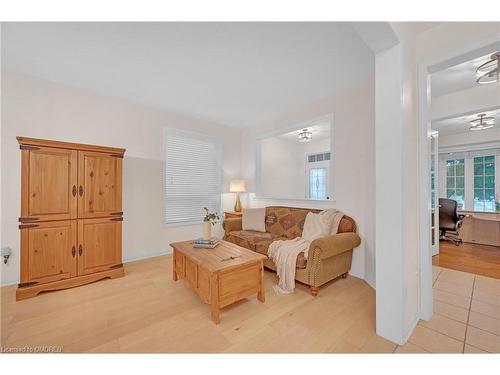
[(186, 223), (468, 157), (320, 201), (468, 183), (412, 328), (162, 252), (9, 282), (497, 178), (316, 165), (424, 141), (478, 147), (435, 209)]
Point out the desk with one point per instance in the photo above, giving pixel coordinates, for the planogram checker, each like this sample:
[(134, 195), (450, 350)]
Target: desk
[(481, 227)]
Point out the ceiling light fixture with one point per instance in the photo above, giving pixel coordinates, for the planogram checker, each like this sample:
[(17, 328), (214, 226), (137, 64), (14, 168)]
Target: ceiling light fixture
[(305, 135), (489, 72), (482, 122)]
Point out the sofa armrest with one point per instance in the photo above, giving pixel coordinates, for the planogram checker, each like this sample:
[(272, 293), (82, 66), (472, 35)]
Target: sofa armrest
[(232, 224), (326, 247)]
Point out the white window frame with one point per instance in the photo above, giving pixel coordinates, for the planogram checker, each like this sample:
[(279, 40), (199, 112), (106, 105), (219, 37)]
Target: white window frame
[(483, 188), (318, 164), (455, 178), (469, 156), (218, 142)]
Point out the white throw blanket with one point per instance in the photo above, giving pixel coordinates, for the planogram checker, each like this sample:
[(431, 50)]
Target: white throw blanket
[(284, 253)]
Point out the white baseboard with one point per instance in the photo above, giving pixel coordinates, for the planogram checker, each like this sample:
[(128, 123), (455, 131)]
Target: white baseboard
[(149, 255), (369, 282), (9, 282), (412, 328)]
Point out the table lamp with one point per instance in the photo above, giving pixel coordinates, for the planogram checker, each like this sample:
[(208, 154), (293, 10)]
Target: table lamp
[(237, 186)]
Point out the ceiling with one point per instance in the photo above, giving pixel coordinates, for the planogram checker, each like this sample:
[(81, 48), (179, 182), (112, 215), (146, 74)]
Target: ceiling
[(456, 78), (320, 131), (460, 124), (237, 74)]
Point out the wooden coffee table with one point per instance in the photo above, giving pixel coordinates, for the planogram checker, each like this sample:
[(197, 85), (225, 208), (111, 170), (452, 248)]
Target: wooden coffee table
[(220, 276)]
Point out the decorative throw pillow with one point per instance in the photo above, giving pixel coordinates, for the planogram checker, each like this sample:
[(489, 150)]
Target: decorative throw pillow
[(315, 226), (254, 219)]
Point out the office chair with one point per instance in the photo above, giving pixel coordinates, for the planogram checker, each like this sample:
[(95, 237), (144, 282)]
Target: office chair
[(449, 220)]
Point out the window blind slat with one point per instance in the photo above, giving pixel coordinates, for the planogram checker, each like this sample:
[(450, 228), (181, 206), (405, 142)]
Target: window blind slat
[(193, 176)]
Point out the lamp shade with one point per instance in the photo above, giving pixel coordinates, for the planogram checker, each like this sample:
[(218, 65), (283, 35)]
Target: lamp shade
[(237, 186)]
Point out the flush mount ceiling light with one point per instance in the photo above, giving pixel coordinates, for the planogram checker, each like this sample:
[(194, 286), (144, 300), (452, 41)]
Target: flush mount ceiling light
[(489, 72), (305, 135), (482, 122)]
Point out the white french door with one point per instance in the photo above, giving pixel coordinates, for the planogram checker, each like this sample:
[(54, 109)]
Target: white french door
[(434, 194)]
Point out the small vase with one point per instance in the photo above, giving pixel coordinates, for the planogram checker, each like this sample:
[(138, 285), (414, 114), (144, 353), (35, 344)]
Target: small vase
[(207, 230)]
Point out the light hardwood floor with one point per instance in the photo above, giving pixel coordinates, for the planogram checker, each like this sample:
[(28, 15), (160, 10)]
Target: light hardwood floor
[(468, 257), (147, 312)]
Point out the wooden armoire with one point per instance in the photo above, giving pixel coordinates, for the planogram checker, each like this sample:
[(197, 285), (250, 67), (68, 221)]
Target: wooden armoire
[(71, 215)]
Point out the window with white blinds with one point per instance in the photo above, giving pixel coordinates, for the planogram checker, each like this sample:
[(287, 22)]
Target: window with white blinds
[(193, 176)]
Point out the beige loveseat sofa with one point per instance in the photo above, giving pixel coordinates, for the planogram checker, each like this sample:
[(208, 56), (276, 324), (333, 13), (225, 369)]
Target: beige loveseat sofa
[(329, 257)]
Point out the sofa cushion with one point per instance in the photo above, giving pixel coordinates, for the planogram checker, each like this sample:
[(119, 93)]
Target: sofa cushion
[(254, 219), (289, 221), (259, 242), (286, 221), (248, 238)]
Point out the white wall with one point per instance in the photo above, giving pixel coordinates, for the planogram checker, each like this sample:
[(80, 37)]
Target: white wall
[(469, 138), (396, 186), (389, 232), (313, 147), (353, 153), (475, 99), (283, 167), (41, 109)]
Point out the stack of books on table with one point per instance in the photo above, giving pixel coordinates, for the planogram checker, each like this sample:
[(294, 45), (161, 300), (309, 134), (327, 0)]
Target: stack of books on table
[(206, 244)]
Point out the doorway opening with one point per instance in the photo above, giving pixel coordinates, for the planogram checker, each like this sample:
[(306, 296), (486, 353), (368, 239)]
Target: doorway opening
[(460, 164)]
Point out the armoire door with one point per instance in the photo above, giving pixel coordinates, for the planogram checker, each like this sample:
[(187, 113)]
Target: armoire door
[(100, 184), (49, 184), (49, 251), (99, 244)]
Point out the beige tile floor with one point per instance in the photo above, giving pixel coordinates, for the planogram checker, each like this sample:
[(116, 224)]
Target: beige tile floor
[(466, 316)]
